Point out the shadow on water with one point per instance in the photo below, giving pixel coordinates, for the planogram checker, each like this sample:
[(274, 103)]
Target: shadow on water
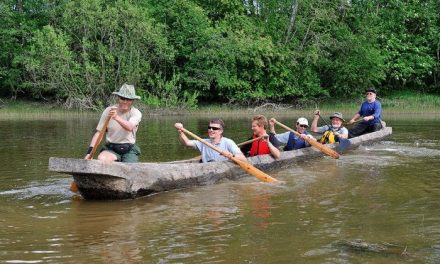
[(342, 211)]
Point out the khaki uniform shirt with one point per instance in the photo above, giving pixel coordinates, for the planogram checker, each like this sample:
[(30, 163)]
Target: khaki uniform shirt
[(115, 132)]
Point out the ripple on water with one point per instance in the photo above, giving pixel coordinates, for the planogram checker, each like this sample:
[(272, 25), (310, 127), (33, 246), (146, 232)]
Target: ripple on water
[(416, 149), (385, 154), (327, 249), (58, 187)]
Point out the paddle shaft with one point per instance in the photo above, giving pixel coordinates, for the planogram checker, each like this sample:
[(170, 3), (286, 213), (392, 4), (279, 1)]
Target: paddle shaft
[(100, 137), (320, 116), (239, 145), (73, 185), (344, 123), (312, 142), (249, 141), (357, 121), (244, 165)]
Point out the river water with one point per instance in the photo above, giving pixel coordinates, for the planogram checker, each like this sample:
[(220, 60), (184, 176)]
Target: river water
[(382, 194)]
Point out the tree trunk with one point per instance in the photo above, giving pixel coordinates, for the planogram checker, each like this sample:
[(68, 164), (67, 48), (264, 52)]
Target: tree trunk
[(306, 35), (19, 6), (292, 20)]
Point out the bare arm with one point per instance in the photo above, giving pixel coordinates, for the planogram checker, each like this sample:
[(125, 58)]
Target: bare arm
[(353, 119), (304, 136), (274, 151), (127, 125), (232, 151), (341, 135), (182, 137), (272, 125), (314, 127), (228, 154)]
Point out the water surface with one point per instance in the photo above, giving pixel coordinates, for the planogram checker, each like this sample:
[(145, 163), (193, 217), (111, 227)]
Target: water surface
[(388, 192)]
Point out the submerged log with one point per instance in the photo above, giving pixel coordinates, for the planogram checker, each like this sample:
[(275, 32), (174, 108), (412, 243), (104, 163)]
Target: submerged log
[(383, 247)]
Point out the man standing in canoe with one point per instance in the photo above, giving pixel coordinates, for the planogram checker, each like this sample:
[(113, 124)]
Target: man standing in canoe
[(291, 140), (121, 130), (330, 133), (216, 138), (263, 143), (370, 111)]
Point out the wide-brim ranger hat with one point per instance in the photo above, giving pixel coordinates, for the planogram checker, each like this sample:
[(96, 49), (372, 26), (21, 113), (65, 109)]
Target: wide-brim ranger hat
[(127, 91), (337, 115), (302, 121)]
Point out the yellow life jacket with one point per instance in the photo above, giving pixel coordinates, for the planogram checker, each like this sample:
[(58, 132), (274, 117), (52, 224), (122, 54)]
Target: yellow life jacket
[(328, 137)]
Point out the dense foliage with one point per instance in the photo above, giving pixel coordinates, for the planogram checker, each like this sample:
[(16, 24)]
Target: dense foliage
[(183, 52)]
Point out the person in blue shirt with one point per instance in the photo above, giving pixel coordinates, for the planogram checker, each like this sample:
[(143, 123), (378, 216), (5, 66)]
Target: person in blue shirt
[(370, 112), (291, 140)]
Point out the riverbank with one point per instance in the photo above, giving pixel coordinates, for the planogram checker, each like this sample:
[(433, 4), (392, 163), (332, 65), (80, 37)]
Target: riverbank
[(396, 104)]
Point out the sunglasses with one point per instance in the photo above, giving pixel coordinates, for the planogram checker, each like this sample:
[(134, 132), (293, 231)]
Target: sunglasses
[(304, 126), (370, 93), (214, 128)]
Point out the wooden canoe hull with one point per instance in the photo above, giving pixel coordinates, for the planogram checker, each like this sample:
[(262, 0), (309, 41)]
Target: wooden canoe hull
[(115, 180)]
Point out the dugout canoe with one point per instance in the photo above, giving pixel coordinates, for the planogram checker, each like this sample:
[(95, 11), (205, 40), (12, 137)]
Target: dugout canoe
[(98, 180)]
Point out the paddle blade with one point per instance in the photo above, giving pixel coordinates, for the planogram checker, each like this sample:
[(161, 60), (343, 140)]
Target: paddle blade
[(254, 171), (73, 187), (344, 144)]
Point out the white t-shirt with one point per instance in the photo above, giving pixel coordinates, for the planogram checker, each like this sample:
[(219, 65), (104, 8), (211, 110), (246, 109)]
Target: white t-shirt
[(115, 132)]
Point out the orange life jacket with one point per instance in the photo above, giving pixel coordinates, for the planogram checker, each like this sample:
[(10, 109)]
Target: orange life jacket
[(259, 147)]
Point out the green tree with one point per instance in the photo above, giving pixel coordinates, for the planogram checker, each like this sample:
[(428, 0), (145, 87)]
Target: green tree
[(52, 70), (243, 51), (410, 41), (97, 46), (19, 19), (115, 43)]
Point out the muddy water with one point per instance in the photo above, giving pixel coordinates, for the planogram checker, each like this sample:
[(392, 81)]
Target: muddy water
[(383, 194)]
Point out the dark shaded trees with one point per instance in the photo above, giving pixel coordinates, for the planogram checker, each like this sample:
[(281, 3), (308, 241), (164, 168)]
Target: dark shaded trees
[(182, 52)]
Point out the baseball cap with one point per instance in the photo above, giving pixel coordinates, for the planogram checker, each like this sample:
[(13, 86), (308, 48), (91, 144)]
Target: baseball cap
[(371, 90), (302, 121)]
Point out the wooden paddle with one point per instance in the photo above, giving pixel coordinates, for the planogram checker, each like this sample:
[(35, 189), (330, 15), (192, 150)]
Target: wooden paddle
[(348, 123), (312, 142), (73, 186), (244, 165), (100, 137), (249, 141), (239, 145)]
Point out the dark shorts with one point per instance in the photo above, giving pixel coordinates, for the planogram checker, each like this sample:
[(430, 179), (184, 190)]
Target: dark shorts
[(363, 128), (131, 156)]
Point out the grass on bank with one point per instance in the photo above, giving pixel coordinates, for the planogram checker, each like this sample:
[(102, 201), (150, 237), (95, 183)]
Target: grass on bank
[(398, 103), (18, 109)]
